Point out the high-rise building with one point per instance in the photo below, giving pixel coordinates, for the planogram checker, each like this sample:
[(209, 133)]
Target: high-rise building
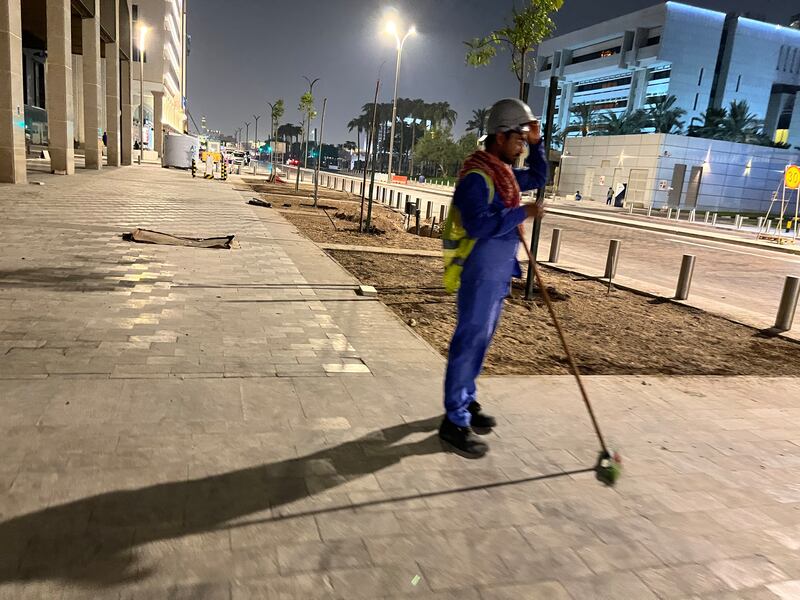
[(704, 58), (165, 52)]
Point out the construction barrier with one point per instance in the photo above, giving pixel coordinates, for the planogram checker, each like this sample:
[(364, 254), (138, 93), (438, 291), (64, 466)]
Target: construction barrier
[(194, 169)]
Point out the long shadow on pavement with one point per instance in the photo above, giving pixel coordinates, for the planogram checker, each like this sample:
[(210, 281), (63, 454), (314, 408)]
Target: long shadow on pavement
[(91, 541)]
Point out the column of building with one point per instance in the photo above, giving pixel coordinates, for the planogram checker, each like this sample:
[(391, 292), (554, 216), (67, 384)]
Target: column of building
[(92, 90), (158, 117), (58, 81), (126, 137), (112, 91), (12, 116)]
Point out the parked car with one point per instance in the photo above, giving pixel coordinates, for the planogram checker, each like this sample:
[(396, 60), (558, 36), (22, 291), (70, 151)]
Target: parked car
[(293, 162), (239, 157)]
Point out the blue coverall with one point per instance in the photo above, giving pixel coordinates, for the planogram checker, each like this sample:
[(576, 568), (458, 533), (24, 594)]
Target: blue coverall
[(485, 278)]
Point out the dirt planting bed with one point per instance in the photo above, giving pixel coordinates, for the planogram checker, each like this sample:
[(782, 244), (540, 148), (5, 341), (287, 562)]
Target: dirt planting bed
[(619, 334), (335, 220)]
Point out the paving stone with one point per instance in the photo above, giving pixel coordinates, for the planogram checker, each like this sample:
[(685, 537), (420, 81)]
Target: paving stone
[(322, 557), (552, 590), (610, 586), (682, 581), (207, 450), (602, 558), (747, 572)]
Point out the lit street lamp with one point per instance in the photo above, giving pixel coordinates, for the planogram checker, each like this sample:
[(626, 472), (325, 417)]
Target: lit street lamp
[(142, 36), (392, 28)]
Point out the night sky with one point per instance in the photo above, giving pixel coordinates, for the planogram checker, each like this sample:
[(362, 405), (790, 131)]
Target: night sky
[(247, 52)]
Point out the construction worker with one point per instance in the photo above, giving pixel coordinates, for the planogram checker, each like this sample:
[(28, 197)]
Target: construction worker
[(486, 205)]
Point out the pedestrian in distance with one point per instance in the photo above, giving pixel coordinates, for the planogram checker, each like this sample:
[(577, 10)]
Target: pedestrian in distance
[(610, 196), (578, 196), (480, 240)]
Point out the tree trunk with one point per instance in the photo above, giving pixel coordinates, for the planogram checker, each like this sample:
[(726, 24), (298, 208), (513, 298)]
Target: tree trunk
[(522, 78), (400, 154), (411, 155)]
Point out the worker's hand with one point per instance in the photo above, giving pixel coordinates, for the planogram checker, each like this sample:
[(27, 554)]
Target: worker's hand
[(534, 211), (535, 133)]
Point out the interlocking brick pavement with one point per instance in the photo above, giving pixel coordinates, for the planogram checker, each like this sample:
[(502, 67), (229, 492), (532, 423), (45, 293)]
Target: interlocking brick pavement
[(173, 427)]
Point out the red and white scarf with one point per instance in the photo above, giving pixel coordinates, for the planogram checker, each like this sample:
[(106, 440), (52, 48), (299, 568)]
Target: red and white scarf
[(505, 182)]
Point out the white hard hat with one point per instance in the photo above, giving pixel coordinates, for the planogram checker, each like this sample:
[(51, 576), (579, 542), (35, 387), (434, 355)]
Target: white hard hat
[(509, 114)]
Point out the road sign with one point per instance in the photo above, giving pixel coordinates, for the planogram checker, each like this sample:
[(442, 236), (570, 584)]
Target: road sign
[(792, 177), (663, 185)]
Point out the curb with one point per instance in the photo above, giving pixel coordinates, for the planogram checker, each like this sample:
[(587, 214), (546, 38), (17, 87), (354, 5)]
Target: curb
[(690, 233)]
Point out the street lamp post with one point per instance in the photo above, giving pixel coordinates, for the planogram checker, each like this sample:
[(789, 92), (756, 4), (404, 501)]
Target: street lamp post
[(142, 36), (308, 127), (258, 151), (246, 134), (392, 28)]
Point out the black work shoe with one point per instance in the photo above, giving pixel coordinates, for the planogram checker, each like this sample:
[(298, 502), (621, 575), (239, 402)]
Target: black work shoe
[(480, 422), (461, 440)]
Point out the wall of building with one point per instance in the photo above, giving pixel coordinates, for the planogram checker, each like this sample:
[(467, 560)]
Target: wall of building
[(691, 44), (737, 177), (164, 67)]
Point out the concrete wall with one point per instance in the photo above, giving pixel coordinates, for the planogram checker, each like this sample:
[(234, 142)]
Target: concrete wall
[(736, 177), (609, 160)]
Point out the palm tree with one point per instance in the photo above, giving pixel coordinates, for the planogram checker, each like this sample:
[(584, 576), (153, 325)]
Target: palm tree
[(585, 115), (740, 125), (442, 114), (361, 123), (626, 123), (478, 121), (712, 123), (417, 111), (664, 116)]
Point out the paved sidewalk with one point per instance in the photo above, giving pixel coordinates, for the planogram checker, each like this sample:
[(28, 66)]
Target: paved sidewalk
[(190, 423)]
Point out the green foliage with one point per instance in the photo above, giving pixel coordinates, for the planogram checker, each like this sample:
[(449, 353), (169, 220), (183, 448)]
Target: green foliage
[(663, 116), (478, 122), (584, 121), (528, 28), (307, 105), (438, 147), (610, 123), (734, 124)]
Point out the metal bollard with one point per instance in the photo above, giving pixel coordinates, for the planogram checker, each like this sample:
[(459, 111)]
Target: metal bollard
[(738, 223), (555, 246), (630, 208), (678, 214), (649, 210), (708, 216), (714, 220), (669, 214), (692, 214), (685, 277), (760, 223), (788, 306), (613, 257), (769, 225)]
